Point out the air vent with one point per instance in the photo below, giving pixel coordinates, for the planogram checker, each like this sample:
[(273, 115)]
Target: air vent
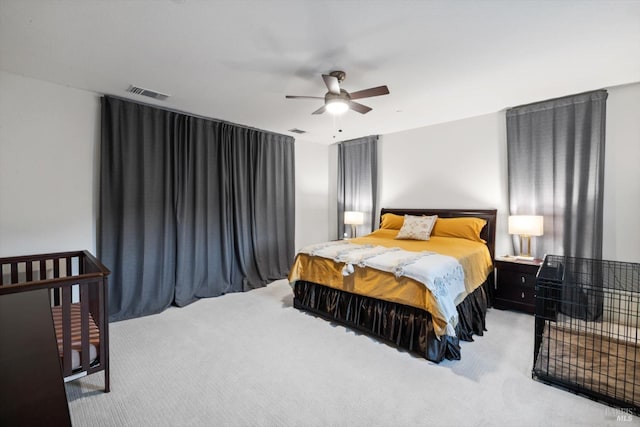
[(296, 130), (147, 92)]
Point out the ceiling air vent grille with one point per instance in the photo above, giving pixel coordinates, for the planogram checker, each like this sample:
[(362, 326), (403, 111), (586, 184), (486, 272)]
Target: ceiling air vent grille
[(147, 92), (296, 130)]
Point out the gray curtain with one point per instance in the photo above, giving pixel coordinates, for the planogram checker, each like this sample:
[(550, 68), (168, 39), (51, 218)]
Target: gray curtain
[(358, 182), (556, 169), (190, 207)]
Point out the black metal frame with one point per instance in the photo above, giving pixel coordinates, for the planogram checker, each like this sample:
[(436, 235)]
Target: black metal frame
[(587, 329)]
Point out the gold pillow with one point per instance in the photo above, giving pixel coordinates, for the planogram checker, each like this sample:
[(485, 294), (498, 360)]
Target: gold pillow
[(466, 228), (417, 227), (392, 221)]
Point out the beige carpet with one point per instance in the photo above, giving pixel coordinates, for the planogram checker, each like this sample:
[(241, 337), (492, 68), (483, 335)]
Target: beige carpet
[(251, 359)]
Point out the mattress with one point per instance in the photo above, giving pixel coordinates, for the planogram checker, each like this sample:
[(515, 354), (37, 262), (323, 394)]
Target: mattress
[(76, 340)]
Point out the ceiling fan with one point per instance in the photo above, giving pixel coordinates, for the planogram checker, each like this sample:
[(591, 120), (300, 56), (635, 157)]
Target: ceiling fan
[(337, 100)]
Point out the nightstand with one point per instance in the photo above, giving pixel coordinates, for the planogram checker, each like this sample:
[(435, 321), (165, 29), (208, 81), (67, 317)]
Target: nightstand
[(516, 284)]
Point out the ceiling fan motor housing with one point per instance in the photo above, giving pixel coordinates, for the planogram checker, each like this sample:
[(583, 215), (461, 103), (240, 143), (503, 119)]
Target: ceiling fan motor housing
[(343, 95)]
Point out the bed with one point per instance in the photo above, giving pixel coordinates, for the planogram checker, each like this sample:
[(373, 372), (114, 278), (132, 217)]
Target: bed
[(395, 300), (77, 286)]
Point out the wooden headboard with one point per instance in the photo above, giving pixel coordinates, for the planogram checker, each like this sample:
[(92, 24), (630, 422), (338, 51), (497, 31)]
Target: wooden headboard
[(488, 233)]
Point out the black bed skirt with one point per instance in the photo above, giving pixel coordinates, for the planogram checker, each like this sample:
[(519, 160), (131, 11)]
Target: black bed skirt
[(402, 326)]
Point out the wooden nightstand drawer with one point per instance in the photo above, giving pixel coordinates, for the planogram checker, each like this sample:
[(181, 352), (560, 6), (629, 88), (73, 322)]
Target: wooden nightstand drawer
[(518, 294), (515, 284), (517, 278)]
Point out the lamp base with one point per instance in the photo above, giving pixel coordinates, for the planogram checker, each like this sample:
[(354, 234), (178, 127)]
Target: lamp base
[(525, 242)]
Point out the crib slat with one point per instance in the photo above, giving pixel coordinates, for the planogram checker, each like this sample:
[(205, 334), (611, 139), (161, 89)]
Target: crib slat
[(103, 303), (66, 330), (43, 269), (29, 271), (56, 273), (14, 272), (84, 330)]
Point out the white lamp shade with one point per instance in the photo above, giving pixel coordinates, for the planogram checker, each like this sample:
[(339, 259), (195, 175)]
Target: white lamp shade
[(526, 225), (353, 217)]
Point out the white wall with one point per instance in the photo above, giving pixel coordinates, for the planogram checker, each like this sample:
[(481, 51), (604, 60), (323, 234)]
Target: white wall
[(312, 200), (621, 240), (48, 138), (460, 164), (463, 164), (48, 171)]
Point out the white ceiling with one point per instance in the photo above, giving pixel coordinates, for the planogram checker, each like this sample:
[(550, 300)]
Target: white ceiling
[(236, 60)]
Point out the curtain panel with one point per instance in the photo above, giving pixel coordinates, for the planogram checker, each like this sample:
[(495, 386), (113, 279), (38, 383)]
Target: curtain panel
[(358, 182), (555, 155), (190, 207)]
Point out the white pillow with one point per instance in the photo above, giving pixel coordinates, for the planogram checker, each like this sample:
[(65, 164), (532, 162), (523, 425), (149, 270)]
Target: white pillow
[(417, 227)]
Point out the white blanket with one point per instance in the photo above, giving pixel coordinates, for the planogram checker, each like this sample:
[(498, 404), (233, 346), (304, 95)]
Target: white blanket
[(441, 274)]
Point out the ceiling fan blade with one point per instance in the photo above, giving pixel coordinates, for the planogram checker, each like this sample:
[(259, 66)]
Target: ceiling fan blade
[(303, 97), (319, 110), (363, 109), (367, 93), (332, 83)]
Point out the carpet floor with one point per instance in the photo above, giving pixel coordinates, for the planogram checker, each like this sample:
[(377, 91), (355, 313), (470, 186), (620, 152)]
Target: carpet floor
[(251, 359)]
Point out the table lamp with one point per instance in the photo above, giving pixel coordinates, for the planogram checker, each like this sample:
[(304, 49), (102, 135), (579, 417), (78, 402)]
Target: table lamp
[(525, 226), (354, 219)]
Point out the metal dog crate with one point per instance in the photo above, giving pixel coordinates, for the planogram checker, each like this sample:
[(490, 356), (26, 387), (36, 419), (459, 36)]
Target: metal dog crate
[(586, 329)]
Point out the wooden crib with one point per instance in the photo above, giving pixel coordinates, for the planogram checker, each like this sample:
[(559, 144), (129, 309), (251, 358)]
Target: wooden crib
[(77, 284)]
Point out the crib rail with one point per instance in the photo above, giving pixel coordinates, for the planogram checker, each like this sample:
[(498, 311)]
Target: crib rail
[(71, 278)]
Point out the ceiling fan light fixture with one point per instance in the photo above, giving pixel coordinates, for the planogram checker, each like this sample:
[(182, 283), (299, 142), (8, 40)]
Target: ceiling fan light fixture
[(336, 106)]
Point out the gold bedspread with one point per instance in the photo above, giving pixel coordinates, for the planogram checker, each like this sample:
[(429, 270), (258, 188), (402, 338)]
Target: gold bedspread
[(473, 256)]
